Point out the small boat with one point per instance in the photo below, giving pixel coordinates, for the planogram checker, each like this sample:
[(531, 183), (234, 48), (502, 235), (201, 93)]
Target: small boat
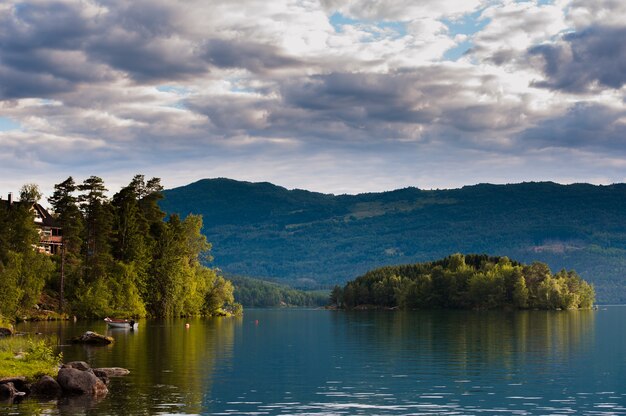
[(121, 323)]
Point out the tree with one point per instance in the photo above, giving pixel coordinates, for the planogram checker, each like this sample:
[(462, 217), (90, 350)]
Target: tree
[(65, 206), (98, 218), (520, 293), (30, 193), (336, 296)]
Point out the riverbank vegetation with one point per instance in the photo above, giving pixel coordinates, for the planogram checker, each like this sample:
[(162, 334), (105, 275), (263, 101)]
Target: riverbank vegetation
[(467, 282), (26, 357), (121, 256)]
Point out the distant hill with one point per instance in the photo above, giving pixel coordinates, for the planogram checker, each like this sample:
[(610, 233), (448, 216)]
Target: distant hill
[(255, 293), (311, 240)]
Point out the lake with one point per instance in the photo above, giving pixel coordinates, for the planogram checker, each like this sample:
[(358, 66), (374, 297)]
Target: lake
[(319, 362)]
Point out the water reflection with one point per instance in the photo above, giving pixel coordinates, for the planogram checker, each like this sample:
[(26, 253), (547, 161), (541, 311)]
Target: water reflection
[(368, 362), (171, 366)]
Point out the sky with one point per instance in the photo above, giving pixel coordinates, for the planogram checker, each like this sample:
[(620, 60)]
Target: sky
[(327, 95)]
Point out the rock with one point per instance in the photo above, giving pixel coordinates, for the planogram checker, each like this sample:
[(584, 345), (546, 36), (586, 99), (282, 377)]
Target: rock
[(113, 371), (91, 337), (19, 383), (101, 375), (46, 387), (6, 332), (75, 381), (8, 391), (79, 365)]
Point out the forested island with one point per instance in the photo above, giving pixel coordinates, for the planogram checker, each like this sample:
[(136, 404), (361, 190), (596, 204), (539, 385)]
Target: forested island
[(119, 256), (466, 282)]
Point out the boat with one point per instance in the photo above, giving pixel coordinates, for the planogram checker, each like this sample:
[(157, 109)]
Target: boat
[(121, 323)]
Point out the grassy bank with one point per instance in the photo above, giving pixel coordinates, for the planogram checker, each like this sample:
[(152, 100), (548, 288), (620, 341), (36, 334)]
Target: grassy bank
[(27, 357)]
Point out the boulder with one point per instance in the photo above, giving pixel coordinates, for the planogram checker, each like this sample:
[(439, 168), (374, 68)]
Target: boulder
[(6, 332), (101, 375), (46, 387), (8, 391), (79, 365), (74, 381), (93, 338), (113, 371), (19, 383)]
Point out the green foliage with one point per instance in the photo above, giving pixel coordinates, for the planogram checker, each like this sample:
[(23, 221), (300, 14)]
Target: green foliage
[(261, 293), (30, 193), (120, 257), (22, 279), (312, 240), (5, 323), (470, 281), (18, 232), (31, 358)]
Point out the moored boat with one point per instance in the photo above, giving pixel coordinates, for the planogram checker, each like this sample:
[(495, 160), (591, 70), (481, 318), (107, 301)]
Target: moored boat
[(121, 323)]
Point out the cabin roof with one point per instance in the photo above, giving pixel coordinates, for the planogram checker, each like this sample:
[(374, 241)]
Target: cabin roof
[(42, 216)]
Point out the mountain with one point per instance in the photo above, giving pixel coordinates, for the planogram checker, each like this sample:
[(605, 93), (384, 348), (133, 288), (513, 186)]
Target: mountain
[(310, 240)]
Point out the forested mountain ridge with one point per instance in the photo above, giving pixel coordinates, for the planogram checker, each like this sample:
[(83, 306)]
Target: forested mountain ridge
[(311, 239)]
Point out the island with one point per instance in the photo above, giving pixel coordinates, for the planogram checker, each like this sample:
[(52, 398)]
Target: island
[(474, 281)]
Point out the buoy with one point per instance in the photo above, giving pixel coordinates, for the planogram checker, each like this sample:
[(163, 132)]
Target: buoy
[(187, 326), (256, 322)]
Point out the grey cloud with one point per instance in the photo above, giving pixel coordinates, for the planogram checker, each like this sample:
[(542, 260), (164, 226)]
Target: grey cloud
[(146, 59), (17, 84), (354, 97), (44, 25), (255, 57), (583, 59), (26, 37), (431, 96), (368, 108), (145, 41), (584, 125)]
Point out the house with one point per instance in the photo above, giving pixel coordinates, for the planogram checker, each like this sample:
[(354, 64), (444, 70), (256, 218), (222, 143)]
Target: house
[(50, 234)]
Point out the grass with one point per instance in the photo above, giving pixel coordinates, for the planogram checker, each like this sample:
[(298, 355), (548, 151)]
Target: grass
[(5, 323), (27, 357)]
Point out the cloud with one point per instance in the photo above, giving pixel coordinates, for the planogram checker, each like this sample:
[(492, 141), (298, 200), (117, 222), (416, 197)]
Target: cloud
[(514, 27), (255, 57), (403, 10), (586, 125), (594, 58), (227, 88)]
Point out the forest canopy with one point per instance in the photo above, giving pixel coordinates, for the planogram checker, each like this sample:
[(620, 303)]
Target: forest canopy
[(467, 282), (121, 255)]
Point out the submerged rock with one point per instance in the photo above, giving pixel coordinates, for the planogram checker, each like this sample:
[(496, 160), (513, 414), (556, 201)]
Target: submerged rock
[(91, 337), (113, 371)]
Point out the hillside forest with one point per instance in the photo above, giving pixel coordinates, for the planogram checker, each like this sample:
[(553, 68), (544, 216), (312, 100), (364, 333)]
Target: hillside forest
[(313, 240), (121, 256)]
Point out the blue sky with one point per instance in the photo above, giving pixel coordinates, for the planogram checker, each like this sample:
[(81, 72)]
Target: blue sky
[(334, 96), (8, 124)]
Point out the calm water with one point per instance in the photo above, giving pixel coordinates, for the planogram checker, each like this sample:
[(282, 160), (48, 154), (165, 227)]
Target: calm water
[(317, 362)]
